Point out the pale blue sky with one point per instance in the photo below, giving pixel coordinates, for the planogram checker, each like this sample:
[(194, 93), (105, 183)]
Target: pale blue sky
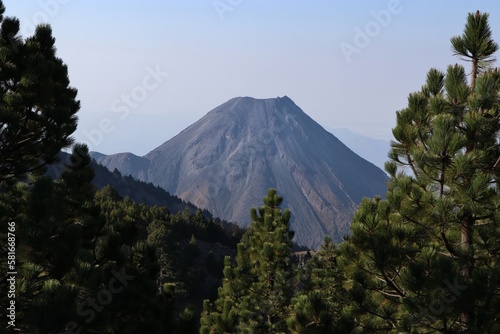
[(256, 48)]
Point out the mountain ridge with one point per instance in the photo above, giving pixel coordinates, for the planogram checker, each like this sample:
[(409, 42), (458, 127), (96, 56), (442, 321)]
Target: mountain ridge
[(370, 149), (226, 161)]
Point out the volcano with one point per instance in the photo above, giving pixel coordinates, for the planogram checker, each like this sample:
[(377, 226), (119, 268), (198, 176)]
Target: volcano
[(226, 161)]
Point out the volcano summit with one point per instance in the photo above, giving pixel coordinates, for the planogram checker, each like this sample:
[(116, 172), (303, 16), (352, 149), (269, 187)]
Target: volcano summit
[(226, 161)]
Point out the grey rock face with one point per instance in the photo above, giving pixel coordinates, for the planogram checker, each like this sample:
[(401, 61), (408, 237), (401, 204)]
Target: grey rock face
[(373, 150), (226, 161)]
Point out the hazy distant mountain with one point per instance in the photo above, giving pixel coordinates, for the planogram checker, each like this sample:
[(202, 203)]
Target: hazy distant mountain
[(373, 150), (226, 161), (138, 191)]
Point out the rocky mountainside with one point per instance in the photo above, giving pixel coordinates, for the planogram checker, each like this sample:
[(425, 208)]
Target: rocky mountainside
[(226, 161), (371, 149)]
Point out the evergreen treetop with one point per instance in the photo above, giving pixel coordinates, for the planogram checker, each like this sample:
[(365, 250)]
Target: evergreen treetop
[(37, 105), (426, 258)]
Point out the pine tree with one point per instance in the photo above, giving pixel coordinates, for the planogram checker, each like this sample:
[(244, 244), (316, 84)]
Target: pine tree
[(142, 305), (79, 268), (475, 45), (426, 259), (323, 305), (37, 105), (57, 222), (256, 293)]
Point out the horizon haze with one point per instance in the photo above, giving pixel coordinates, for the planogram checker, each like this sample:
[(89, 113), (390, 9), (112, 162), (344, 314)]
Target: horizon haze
[(161, 65)]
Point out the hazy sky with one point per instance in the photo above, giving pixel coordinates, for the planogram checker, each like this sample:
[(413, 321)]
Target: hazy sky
[(147, 69)]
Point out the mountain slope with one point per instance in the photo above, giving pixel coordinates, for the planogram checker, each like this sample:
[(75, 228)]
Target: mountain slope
[(130, 164), (138, 191), (373, 150), (226, 161)]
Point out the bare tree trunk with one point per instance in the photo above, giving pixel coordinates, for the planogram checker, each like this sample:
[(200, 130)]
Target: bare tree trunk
[(466, 243)]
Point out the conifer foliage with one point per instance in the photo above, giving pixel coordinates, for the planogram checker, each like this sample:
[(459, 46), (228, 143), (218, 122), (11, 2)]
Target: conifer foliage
[(423, 260), (426, 258), (83, 259), (37, 105), (322, 305), (256, 292)]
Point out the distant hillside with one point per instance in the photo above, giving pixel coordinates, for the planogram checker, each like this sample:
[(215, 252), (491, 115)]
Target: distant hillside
[(373, 150), (138, 191), (227, 160), (131, 164)]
